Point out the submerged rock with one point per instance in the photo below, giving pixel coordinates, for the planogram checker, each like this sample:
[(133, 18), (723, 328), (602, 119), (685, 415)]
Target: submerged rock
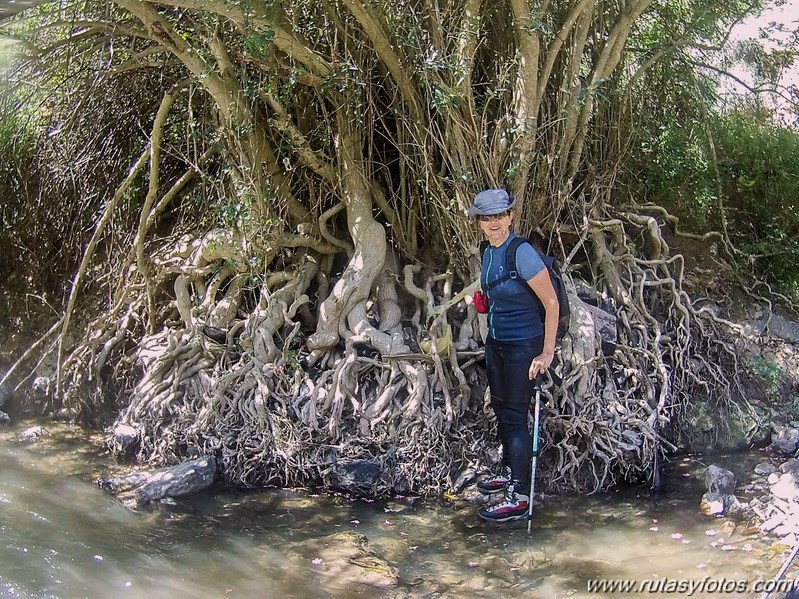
[(346, 563)]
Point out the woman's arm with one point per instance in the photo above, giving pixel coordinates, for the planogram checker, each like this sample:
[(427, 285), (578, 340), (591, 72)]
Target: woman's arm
[(542, 286)]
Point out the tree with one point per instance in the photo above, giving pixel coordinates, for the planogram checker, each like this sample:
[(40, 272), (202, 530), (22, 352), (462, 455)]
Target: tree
[(313, 306)]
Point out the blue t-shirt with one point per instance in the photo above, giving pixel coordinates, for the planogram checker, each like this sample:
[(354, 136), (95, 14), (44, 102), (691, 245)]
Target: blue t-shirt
[(512, 313)]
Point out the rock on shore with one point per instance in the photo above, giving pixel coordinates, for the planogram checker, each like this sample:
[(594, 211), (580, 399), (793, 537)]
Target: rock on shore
[(774, 489), (141, 488)]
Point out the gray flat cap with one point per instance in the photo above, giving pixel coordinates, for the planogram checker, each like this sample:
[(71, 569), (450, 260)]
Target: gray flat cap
[(491, 201)]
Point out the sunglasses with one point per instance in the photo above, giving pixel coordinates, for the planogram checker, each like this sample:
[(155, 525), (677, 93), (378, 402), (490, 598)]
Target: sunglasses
[(489, 217)]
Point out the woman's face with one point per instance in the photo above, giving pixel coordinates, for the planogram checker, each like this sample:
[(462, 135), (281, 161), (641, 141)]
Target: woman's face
[(497, 226)]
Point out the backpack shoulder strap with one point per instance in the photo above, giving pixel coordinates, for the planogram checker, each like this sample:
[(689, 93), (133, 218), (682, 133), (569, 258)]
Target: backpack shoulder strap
[(483, 247), (510, 262), (510, 256)]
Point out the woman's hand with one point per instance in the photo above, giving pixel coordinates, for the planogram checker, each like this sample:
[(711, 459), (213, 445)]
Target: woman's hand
[(540, 364)]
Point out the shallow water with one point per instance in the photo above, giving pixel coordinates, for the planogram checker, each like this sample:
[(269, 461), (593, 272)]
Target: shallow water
[(61, 536)]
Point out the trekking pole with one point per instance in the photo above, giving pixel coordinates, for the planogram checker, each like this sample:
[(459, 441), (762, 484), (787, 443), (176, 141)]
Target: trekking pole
[(537, 413), (783, 570)]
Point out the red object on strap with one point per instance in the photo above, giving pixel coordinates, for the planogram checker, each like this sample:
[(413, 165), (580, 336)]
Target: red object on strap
[(480, 302)]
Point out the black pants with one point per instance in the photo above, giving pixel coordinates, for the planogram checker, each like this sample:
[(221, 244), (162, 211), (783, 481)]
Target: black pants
[(508, 365)]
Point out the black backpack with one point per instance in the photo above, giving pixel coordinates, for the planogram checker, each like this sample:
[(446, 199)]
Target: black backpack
[(554, 275)]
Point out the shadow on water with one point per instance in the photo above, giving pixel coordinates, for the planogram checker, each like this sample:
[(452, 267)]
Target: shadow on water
[(63, 537)]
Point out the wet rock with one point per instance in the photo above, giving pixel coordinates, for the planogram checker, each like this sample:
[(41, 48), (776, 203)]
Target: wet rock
[(121, 484), (712, 504), (737, 510), (354, 476), (124, 438), (765, 468), (791, 466), (30, 435), (771, 524), (784, 439), (782, 447), (141, 488), (467, 475), (724, 504), (741, 429), (719, 480), (700, 417)]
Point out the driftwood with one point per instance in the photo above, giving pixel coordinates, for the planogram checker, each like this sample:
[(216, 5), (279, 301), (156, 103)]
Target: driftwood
[(141, 488)]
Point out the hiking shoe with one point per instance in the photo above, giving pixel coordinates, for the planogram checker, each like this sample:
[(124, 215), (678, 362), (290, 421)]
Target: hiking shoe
[(495, 484), (513, 507)]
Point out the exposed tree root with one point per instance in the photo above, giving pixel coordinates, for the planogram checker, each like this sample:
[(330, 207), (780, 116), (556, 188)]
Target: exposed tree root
[(252, 389)]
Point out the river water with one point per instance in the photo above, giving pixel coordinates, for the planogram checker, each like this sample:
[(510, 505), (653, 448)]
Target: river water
[(61, 536)]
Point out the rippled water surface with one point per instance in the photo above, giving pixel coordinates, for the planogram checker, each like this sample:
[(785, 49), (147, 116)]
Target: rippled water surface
[(61, 536)]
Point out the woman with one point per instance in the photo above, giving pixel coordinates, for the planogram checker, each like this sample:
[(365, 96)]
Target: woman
[(519, 348)]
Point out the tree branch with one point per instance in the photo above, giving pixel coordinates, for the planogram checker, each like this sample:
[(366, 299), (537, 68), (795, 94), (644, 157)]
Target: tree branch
[(286, 41), (156, 140), (88, 254), (384, 46)]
